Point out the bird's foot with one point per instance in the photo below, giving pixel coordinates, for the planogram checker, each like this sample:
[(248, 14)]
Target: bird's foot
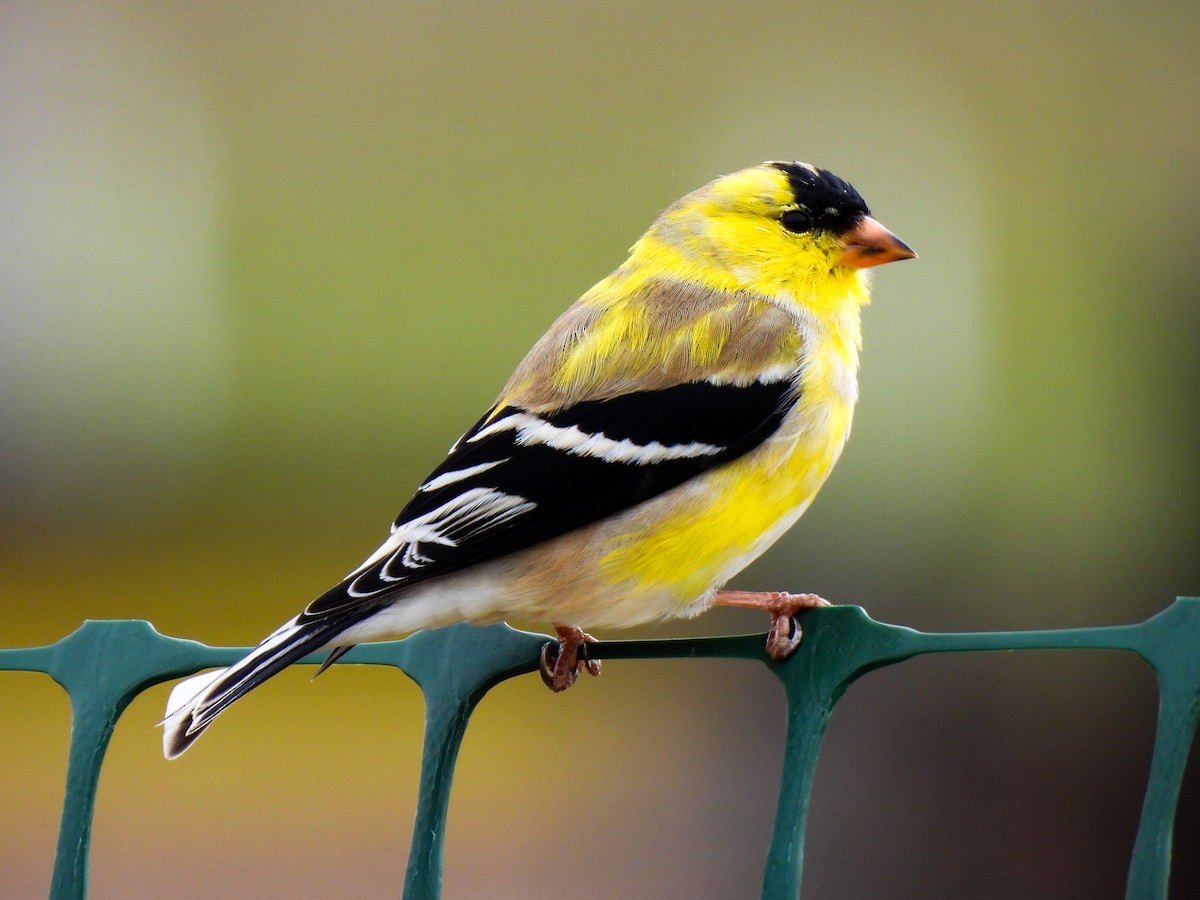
[(784, 636), (560, 670)]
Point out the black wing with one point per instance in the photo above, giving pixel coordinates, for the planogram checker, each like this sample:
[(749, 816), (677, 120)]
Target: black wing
[(517, 478)]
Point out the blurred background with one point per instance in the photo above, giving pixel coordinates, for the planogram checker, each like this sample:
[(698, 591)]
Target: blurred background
[(262, 264)]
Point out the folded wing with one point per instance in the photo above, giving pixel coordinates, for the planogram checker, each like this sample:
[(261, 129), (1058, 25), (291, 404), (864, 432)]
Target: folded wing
[(518, 478)]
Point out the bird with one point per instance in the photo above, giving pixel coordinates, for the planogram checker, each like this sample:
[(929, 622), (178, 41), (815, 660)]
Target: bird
[(669, 427)]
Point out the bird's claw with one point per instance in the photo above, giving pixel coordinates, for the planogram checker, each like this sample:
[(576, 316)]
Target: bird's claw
[(785, 634), (569, 657)]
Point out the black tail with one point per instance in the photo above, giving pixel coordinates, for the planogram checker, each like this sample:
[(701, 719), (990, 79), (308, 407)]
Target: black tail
[(214, 692)]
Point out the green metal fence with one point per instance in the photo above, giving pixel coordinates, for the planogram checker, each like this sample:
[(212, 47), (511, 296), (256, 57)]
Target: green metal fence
[(104, 665)]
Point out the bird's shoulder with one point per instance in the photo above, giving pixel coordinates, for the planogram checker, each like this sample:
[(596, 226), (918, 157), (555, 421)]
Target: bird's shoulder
[(651, 335)]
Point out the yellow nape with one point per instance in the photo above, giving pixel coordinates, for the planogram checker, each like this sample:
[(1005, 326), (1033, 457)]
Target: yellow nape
[(726, 235)]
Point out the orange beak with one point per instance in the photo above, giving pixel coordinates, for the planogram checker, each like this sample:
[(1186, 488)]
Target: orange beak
[(870, 244)]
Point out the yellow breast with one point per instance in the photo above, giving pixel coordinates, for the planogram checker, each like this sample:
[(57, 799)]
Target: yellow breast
[(695, 538)]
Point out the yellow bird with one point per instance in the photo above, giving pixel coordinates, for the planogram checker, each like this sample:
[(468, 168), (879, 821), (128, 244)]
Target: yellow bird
[(666, 430)]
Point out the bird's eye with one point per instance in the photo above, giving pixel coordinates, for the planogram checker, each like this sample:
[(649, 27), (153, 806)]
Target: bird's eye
[(796, 220)]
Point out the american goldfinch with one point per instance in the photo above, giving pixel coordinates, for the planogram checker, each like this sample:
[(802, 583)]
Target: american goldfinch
[(665, 431)]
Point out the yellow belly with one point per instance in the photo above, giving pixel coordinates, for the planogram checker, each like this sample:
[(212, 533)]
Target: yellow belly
[(728, 517)]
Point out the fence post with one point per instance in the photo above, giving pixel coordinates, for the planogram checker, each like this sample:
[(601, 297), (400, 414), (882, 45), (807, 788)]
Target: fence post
[(104, 665)]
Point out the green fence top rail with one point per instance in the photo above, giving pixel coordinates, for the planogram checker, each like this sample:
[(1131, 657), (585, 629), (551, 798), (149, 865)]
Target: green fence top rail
[(104, 665)]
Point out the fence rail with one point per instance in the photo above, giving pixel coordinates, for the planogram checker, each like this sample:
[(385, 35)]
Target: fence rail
[(104, 665)]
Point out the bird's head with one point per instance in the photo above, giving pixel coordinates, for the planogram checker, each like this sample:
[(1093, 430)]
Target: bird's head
[(779, 229)]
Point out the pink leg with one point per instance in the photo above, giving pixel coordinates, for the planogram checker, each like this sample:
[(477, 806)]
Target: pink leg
[(785, 634), (561, 673)]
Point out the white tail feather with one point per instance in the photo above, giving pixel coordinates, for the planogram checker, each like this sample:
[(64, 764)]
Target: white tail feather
[(196, 701), (181, 703)]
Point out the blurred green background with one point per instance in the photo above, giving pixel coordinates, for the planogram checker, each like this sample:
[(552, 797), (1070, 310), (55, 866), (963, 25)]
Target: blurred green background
[(262, 263)]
